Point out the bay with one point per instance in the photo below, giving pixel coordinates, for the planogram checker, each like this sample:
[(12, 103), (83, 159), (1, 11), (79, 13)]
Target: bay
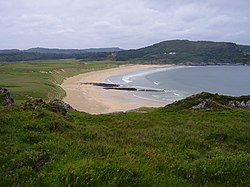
[(182, 81)]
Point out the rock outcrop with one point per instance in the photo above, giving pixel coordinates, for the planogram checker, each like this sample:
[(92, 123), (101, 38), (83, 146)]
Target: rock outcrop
[(5, 98), (59, 106), (232, 104), (239, 104), (33, 103), (201, 105), (211, 101), (108, 86)]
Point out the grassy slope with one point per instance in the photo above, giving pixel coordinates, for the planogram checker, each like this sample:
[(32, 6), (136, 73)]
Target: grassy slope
[(41, 78), (171, 146), (165, 147)]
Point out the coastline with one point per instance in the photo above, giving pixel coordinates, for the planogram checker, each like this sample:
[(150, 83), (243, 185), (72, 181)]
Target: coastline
[(95, 100)]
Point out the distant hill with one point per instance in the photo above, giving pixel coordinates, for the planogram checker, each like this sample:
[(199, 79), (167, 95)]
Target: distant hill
[(189, 52), (28, 56), (172, 51), (8, 51), (38, 53), (245, 48), (71, 51)]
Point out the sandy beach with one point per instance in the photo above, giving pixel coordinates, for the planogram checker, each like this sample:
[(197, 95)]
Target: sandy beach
[(95, 100)]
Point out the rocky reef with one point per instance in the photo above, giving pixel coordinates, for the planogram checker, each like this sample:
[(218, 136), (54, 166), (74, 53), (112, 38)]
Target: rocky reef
[(108, 86)]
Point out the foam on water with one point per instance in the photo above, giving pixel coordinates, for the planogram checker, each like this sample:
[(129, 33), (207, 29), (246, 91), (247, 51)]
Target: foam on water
[(127, 78), (109, 81), (146, 98), (148, 88)]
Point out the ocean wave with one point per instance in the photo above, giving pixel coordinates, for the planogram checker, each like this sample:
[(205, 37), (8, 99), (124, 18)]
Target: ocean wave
[(146, 98), (156, 96), (127, 78), (171, 91), (169, 100), (109, 81)]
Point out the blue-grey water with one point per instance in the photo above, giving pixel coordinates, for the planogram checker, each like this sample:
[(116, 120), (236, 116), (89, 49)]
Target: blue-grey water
[(180, 82)]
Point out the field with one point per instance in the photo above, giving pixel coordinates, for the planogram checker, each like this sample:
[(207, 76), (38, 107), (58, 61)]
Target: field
[(40, 79), (169, 146)]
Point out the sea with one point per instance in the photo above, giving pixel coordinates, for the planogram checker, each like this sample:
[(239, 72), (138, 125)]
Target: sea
[(178, 82)]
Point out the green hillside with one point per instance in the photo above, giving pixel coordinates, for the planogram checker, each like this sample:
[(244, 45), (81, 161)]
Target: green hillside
[(173, 51), (188, 52), (41, 79), (171, 146), (38, 53), (245, 48)]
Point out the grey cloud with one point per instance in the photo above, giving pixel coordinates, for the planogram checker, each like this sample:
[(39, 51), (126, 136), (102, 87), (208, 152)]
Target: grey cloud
[(126, 24)]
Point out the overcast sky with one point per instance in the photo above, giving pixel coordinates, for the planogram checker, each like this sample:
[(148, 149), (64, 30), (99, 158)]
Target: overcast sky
[(120, 23)]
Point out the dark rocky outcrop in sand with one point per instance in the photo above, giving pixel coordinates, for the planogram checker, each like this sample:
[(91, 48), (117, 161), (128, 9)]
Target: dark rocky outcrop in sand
[(104, 85), (108, 86), (5, 98)]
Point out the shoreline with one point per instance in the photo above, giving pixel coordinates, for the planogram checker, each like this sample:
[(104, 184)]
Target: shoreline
[(95, 100)]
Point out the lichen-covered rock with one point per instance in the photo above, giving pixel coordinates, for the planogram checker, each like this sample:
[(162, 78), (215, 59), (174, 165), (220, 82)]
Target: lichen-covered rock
[(200, 105), (208, 100), (239, 104), (33, 103), (59, 106), (242, 104), (248, 104), (5, 98), (231, 103), (203, 103)]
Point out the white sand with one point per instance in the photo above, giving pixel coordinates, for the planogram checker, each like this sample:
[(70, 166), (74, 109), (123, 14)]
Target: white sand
[(95, 100)]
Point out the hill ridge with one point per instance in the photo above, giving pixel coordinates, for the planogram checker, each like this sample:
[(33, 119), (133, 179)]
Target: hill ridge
[(189, 52), (171, 51)]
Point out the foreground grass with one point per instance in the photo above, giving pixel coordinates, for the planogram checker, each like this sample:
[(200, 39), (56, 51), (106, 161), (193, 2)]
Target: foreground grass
[(41, 79), (165, 147)]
